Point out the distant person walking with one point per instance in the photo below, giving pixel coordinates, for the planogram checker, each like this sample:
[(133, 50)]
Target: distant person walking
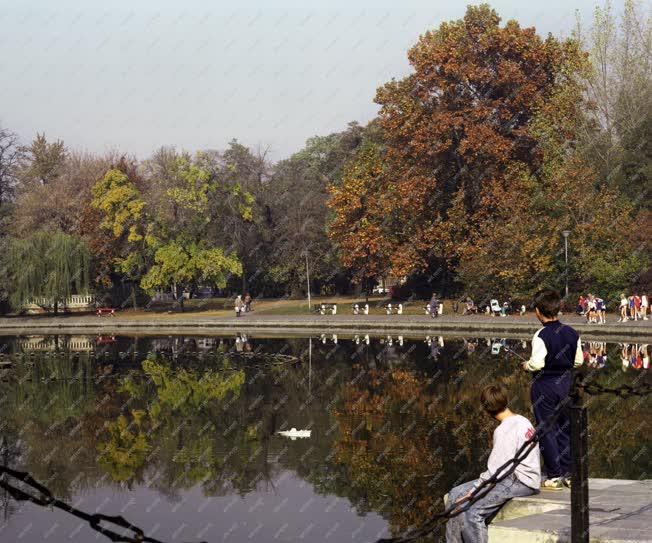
[(637, 306), (601, 308), (239, 305), (247, 303), (644, 306), (434, 306), (623, 308), (632, 311), (556, 350)]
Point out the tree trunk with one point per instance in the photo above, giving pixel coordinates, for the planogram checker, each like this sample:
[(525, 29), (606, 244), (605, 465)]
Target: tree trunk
[(133, 295), (56, 308), (295, 291), (244, 281)]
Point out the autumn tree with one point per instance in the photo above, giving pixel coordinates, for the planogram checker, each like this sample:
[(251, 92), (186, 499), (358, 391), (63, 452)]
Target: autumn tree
[(455, 125), (619, 87), (617, 135), (238, 208), (358, 227), (10, 156), (59, 203), (43, 160), (299, 213), (480, 166)]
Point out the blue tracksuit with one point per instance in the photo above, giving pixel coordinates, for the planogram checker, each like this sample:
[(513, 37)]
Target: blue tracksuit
[(556, 350)]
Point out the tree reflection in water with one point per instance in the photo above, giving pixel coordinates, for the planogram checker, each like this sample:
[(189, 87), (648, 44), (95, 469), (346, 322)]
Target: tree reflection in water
[(392, 428)]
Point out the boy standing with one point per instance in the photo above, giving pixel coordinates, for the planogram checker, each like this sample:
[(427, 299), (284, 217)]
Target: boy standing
[(556, 350), (510, 435)]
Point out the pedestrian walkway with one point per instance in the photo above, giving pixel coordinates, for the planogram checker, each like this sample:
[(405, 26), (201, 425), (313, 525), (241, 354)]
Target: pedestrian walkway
[(620, 511), (407, 325)]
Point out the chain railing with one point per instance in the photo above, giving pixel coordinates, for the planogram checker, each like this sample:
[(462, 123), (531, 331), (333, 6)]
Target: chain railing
[(579, 489), (579, 476), (479, 492), (97, 521)]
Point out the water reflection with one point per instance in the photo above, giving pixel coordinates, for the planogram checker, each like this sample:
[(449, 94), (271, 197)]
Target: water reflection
[(176, 430)]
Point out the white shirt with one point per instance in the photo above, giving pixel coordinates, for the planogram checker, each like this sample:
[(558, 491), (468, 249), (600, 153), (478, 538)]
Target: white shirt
[(509, 437)]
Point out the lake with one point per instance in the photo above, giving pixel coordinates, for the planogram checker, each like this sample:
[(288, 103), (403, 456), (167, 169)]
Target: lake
[(182, 435)]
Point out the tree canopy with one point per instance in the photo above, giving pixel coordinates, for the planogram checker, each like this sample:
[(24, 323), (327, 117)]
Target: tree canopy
[(46, 265), (496, 142)]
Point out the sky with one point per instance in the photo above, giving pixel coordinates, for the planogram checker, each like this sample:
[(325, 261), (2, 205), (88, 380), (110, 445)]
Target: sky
[(134, 75)]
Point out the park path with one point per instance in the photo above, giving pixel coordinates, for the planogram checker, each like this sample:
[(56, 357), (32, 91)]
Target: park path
[(407, 325)]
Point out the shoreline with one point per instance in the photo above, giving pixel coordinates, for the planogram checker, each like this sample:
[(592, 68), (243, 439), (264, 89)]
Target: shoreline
[(406, 325)]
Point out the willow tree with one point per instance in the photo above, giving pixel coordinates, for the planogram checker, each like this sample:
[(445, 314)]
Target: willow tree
[(47, 265)]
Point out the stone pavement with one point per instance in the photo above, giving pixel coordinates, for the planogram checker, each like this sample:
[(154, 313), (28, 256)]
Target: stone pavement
[(408, 325), (620, 511)]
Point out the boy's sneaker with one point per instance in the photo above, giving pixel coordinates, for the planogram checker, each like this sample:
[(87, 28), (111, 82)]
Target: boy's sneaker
[(566, 481), (552, 484)]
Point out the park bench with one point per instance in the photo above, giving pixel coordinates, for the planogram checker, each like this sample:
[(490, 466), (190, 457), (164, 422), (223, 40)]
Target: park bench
[(108, 311), (396, 309), (324, 309), (357, 309)]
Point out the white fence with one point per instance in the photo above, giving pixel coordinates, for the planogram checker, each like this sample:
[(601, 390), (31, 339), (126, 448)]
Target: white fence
[(46, 343), (76, 301)]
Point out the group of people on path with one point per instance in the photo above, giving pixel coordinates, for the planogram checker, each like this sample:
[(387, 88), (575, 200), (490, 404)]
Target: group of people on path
[(593, 308), (243, 305), (556, 351), (634, 307)]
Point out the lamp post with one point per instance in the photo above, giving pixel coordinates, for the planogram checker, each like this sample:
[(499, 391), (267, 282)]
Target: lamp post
[(308, 281), (566, 233)]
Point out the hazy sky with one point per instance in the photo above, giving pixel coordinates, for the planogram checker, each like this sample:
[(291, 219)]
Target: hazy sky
[(135, 75)]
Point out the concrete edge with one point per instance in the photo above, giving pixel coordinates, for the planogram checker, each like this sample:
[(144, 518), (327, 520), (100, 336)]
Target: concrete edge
[(606, 333)]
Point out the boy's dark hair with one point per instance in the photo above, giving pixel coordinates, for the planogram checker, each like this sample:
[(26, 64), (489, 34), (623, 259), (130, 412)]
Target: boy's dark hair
[(494, 399), (548, 302)]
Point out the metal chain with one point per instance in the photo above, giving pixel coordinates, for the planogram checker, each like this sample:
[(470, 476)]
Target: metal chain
[(508, 467), (623, 391), (485, 486), (96, 521)]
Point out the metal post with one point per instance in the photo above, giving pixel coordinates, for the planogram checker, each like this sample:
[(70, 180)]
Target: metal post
[(308, 281), (566, 233), (579, 470)]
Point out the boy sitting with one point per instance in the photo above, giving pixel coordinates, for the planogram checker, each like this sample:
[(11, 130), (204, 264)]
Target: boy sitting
[(509, 436)]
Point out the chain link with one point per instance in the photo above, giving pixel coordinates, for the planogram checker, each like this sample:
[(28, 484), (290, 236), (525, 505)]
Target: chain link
[(44, 498), (504, 471)]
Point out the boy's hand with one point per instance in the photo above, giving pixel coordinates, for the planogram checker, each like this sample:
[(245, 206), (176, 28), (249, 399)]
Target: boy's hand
[(462, 498), (524, 365)]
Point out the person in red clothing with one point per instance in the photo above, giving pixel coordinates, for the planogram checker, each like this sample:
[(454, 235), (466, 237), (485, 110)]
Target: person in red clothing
[(637, 306)]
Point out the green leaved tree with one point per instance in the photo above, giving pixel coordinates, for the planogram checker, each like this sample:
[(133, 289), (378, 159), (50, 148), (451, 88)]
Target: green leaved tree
[(47, 265), (166, 224)]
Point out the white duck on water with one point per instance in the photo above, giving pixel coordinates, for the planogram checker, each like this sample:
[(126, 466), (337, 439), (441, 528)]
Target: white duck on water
[(294, 433)]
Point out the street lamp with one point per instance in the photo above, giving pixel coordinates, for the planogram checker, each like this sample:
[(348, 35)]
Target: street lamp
[(308, 280), (566, 233)]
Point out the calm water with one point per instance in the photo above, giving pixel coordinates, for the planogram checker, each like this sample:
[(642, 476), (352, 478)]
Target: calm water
[(180, 434)]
